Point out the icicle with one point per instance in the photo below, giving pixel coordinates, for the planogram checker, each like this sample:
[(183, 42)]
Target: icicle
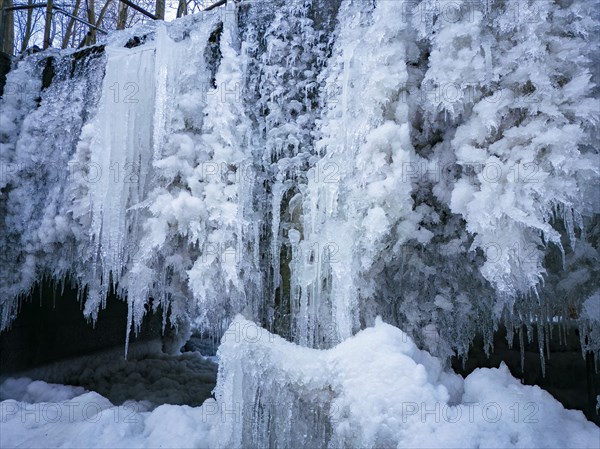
[(569, 221), (548, 331), (119, 150), (129, 325), (541, 338), (510, 328), (582, 342)]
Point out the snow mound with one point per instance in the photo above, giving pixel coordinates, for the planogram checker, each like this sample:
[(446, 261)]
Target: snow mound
[(380, 391)]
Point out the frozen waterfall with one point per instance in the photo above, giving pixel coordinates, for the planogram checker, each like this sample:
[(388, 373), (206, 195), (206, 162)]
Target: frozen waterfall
[(310, 166)]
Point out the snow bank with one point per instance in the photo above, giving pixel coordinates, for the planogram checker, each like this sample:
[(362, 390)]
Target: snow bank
[(376, 389), (90, 420)]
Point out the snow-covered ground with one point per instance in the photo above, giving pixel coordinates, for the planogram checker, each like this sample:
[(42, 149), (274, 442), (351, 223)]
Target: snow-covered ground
[(374, 390)]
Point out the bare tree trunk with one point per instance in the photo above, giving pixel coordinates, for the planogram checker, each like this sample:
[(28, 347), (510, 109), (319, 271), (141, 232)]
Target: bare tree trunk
[(103, 13), (122, 20), (71, 24), (7, 28), (27, 35), (48, 25), (182, 8), (91, 18), (9, 42), (160, 9)]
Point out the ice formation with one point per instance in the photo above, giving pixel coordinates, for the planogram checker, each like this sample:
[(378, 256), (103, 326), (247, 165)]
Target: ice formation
[(313, 164), (305, 162)]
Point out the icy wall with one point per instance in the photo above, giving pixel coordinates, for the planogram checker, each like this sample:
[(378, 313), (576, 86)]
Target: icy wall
[(314, 164)]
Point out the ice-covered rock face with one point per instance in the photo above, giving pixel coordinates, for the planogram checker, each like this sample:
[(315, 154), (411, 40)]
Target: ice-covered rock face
[(313, 164)]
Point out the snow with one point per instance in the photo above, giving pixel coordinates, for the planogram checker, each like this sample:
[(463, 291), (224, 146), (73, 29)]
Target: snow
[(591, 307), (375, 389), (315, 164), (90, 420), (25, 390)]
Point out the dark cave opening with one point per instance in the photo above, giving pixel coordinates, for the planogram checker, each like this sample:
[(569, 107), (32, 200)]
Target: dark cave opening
[(50, 340), (50, 326)]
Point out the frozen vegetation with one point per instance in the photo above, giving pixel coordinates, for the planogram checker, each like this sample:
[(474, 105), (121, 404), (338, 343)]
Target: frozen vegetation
[(312, 165)]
